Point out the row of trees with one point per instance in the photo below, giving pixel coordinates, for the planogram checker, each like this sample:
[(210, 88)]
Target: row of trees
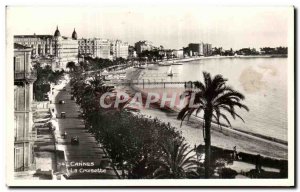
[(141, 146), (152, 55), (274, 51), (247, 51), (251, 51), (89, 64), (231, 52)]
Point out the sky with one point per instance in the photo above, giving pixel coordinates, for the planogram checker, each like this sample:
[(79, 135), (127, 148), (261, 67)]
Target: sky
[(173, 26)]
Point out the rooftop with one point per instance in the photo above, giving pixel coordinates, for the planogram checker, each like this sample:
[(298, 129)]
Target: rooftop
[(19, 46), (33, 36)]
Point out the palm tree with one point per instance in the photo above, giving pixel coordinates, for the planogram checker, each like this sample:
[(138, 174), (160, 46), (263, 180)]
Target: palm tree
[(213, 97), (175, 161)]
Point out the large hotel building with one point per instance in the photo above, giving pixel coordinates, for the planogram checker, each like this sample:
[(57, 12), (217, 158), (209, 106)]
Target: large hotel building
[(94, 47), (40, 44), (103, 48), (60, 48), (119, 49), (65, 49)]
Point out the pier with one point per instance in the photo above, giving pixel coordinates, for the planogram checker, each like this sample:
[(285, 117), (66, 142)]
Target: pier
[(143, 82)]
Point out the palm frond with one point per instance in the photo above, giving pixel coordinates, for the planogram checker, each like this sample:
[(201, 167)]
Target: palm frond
[(207, 79), (199, 85)]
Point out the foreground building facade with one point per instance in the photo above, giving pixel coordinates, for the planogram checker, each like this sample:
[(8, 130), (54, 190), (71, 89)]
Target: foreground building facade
[(24, 132)]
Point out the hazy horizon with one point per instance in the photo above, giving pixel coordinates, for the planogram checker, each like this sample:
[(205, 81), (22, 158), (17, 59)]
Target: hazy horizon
[(173, 27)]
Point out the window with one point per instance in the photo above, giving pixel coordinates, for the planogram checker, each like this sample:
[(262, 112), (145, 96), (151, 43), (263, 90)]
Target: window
[(18, 159), (19, 64), (16, 98)]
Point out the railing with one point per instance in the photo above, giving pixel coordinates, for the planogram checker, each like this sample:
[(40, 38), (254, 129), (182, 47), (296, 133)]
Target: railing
[(25, 75), (40, 105)]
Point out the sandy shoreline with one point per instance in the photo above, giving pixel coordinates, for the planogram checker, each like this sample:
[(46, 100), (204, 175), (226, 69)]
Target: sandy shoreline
[(220, 57), (227, 138)]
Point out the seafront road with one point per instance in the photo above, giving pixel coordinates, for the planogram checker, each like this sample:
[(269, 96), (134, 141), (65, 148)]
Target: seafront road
[(87, 160)]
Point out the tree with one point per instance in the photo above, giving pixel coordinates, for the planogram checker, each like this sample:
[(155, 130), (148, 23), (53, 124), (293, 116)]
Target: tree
[(176, 161), (71, 65), (84, 66), (45, 76), (213, 97)]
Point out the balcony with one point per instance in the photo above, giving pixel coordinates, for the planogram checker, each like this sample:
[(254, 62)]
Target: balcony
[(31, 136), (31, 76)]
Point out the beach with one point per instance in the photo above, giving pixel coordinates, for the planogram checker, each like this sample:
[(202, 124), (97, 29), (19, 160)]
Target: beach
[(188, 59)]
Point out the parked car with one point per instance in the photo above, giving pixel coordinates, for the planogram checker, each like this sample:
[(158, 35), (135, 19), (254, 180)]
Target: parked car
[(75, 140), (64, 135), (63, 115)]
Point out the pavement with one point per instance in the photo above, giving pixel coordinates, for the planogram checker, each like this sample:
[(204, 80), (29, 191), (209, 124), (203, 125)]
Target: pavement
[(44, 149), (87, 160)]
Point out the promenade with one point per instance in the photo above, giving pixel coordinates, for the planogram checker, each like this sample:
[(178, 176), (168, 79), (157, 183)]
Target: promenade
[(87, 160)]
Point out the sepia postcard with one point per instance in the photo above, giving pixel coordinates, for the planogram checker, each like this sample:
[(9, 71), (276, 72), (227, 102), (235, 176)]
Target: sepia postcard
[(184, 96)]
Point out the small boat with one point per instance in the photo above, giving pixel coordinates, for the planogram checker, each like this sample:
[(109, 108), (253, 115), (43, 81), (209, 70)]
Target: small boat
[(170, 72), (177, 64), (164, 64)]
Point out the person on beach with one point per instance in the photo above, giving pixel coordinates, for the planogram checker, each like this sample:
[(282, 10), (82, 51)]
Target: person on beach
[(235, 156), (258, 164)]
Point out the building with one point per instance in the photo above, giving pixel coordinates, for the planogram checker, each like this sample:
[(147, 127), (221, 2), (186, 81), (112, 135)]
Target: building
[(178, 53), (24, 132), (196, 49), (207, 49), (41, 45), (131, 52), (141, 46), (94, 47), (65, 49), (61, 49), (103, 48), (200, 49), (119, 49), (169, 53)]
